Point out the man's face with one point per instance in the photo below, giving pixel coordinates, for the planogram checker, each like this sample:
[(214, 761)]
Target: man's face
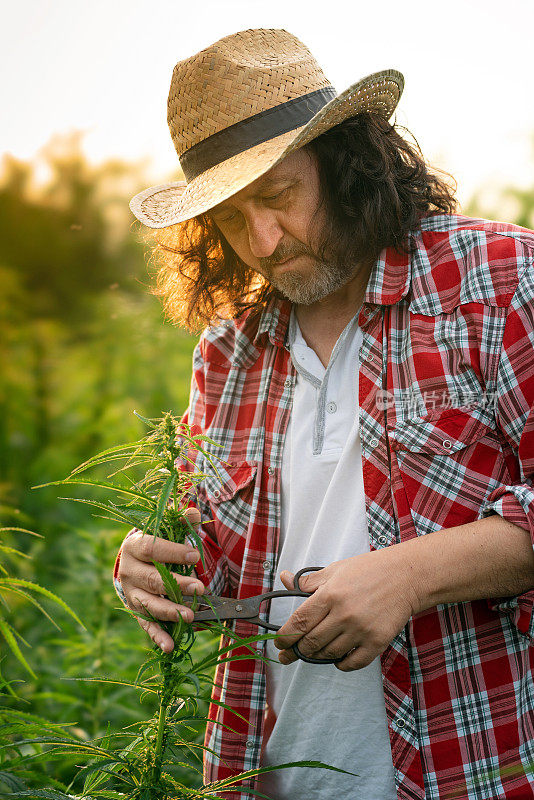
[(266, 223)]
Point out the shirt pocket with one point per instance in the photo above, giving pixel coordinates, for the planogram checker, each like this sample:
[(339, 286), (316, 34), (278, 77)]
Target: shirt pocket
[(230, 492), (448, 465), (225, 480)]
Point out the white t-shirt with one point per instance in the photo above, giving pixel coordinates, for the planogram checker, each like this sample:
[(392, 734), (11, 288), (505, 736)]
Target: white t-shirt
[(316, 712)]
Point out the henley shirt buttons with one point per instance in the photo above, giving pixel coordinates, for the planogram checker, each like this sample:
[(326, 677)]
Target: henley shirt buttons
[(270, 470), (401, 722), (216, 494), (288, 383), (447, 444), (331, 408), (249, 744), (373, 442), (382, 539), (266, 565)]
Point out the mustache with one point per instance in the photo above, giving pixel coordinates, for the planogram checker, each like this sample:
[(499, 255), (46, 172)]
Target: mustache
[(283, 252)]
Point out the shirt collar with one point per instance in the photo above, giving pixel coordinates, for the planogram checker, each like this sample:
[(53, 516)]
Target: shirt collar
[(390, 278), (274, 322)]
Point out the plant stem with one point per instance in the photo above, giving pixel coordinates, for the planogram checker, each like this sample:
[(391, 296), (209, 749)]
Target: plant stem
[(159, 738)]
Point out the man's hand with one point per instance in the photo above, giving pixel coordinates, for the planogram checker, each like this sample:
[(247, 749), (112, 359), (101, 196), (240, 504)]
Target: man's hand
[(358, 606), (143, 586)]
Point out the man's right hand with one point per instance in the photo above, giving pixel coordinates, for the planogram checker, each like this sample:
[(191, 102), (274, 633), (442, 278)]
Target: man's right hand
[(143, 586)]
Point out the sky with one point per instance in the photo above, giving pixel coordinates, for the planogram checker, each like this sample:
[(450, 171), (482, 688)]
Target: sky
[(104, 67)]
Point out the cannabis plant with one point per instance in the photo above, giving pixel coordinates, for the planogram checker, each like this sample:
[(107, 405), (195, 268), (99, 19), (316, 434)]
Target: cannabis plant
[(140, 762)]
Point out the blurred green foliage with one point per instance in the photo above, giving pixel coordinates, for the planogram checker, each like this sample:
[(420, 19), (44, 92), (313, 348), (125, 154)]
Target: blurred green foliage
[(84, 343)]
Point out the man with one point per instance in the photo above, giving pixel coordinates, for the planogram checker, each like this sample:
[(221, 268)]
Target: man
[(372, 390)]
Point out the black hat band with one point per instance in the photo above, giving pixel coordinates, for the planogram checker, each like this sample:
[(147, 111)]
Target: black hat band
[(253, 131)]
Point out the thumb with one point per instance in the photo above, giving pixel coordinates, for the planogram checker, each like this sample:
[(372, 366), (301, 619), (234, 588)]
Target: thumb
[(193, 516), (287, 578)]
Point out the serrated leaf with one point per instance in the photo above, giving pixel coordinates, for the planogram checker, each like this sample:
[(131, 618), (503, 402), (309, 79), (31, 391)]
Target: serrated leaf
[(7, 632), (172, 588), (11, 781), (35, 587), (164, 496)]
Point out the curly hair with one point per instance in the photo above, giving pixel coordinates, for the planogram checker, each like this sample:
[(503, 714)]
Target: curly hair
[(375, 186)]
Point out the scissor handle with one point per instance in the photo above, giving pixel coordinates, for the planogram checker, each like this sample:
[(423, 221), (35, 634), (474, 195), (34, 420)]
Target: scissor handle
[(299, 574), (295, 647)]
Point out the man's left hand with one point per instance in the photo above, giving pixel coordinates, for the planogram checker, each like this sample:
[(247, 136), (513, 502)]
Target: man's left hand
[(358, 606)]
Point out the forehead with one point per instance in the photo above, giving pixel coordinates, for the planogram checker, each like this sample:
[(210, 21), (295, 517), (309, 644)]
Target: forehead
[(288, 169)]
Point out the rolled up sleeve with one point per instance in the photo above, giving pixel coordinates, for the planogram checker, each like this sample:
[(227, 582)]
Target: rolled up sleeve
[(515, 419)]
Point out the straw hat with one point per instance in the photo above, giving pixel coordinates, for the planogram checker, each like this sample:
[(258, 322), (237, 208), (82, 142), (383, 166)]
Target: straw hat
[(239, 107)]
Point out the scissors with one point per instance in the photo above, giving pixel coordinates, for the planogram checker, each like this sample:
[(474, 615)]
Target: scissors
[(221, 608)]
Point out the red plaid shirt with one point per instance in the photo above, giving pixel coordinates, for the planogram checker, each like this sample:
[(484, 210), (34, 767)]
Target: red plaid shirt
[(446, 395)]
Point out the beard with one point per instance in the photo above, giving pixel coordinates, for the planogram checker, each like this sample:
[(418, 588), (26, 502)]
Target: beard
[(305, 287)]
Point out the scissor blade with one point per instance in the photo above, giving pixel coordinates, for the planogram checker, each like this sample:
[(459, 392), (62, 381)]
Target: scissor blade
[(220, 608)]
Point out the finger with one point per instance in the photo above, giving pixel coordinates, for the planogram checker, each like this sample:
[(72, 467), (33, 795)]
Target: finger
[(287, 657), (160, 607), (287, 579), (157, 634), (193, 516), (326, 636), (358, 659), (306, 617), (149, 580), (308, 582), (148, 548), (337, 648)]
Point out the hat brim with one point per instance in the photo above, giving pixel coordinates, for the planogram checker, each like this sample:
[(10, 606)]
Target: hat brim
[(170, 203)]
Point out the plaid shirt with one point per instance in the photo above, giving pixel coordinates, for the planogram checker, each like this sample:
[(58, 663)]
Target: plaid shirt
[(446, 395)]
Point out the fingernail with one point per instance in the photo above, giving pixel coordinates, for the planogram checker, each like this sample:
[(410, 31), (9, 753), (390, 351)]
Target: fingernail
[(192, 588), (192, 557), (185, 614)]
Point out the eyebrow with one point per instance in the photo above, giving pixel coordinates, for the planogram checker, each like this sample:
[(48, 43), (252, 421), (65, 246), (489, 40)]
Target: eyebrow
[(265, 181)]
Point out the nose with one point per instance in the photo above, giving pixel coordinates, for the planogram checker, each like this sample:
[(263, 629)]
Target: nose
[(264, 232)]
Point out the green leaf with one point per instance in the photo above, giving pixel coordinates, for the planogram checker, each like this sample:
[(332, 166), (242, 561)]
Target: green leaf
[(11, 781), (33, 601), (13, 551), (98, 484), (42, 794), (6, 631), (22, 530), (172, 588), (251, 773), (150, 422), (46, 593), (166, 492)]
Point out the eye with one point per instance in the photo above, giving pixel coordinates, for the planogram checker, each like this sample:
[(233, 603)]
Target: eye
[(277, 196), (229, 218)]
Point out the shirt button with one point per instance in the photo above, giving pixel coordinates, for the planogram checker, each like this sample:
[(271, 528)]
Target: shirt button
[(373, 442), (249, 744), (331, 408), (288, 383), (401, 722), (266, 565), (270, 470), (370, 357), (382, 539), (216, 494), (447, 444)]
